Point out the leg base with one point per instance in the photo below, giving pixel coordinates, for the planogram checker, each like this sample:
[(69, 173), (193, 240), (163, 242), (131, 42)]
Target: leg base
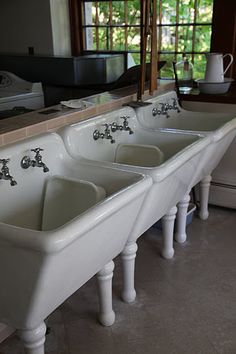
[(107, 319), (168, 254), (128, 259), (33, 339), (168, 232), (204, 197), (106, 314), (180, 235)]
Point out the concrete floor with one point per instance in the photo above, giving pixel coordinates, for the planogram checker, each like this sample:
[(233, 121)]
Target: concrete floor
[(186, 305)]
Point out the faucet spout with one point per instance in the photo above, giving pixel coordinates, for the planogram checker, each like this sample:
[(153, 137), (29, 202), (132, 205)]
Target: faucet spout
[(105, 135), (5, 173), (126, 125), (26, 162)]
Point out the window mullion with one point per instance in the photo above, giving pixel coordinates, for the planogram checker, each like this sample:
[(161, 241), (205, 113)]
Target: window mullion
[(110, 23), (126, 24), (160, 28), (177, 28), (96, 23)]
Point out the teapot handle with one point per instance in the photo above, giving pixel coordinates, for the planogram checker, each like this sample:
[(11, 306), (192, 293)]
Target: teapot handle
[(231, 61)]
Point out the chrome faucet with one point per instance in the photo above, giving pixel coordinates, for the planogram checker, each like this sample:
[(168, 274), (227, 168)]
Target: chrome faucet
[(5, 174), (106, 135), (165, 107), (126, 125), (163, 111), (175, 105), (115, 126), (26, 162), (97, 135)]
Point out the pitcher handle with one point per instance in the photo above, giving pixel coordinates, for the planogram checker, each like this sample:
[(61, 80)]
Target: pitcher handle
[(231, 61)]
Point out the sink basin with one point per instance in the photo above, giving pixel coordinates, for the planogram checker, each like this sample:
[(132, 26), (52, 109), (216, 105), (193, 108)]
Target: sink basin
[(139, 155), (58, 229), (185, 156), (221, 127), (66, 198), (181, 154), (181, 119)]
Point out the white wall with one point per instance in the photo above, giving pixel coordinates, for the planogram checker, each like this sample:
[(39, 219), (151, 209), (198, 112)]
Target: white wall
[(42, 24)]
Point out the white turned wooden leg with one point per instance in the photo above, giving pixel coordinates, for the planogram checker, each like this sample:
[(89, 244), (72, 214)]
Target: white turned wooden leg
[(204, 196), (128, 260), (167, 232), (33, 339), (180, 234), (106, 314)]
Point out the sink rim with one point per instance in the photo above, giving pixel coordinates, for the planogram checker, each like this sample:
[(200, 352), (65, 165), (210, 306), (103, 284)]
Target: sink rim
[(216, 134), (157, 173), (55, 240)]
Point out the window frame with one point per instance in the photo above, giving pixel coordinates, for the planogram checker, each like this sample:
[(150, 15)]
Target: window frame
[(224, 16)]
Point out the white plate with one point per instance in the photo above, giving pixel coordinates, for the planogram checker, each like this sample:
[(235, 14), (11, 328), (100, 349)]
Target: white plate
[(79, 104)]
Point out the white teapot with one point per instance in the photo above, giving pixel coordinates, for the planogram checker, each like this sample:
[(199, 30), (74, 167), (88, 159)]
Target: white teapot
[(215, 67)]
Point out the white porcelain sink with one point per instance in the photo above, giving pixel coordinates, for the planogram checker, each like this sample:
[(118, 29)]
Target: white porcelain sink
[(83, 230), (187, 157), (172, 178), (181, 155), (221, 127), (179, 118)]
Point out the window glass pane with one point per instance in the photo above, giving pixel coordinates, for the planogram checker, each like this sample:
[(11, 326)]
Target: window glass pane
[(102, 10), (168, 38), (168, 11), (167, 70), (134, 12), (199, 66), (90, 35), (205, 11), (88, 14), (133, 38), (118, 12), (202, 38), (104, 43), (136, 57), (186, 11), (118, 39), (185, 38), (125, 37)]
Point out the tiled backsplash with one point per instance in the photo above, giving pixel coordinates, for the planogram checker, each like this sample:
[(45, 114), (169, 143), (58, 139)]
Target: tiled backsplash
[(33, 123)]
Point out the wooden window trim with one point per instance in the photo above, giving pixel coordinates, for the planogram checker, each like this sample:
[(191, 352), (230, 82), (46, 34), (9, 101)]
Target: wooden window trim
[(76, 21), (223, 38)]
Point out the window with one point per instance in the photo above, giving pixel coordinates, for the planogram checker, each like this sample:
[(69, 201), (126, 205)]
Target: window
[(112, 26), (184, 26)]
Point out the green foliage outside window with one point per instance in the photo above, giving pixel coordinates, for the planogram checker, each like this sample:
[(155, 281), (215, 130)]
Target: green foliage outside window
[(130, 15)]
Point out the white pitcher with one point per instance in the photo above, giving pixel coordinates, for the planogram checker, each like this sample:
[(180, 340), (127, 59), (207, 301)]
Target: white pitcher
[(215, 67)]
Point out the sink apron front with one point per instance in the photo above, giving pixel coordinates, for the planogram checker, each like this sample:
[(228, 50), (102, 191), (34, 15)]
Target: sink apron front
[(171, 180), (40, 269), (220, 126)]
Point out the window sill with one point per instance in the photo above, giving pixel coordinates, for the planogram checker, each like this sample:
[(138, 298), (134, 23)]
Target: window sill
[(195, 95)]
